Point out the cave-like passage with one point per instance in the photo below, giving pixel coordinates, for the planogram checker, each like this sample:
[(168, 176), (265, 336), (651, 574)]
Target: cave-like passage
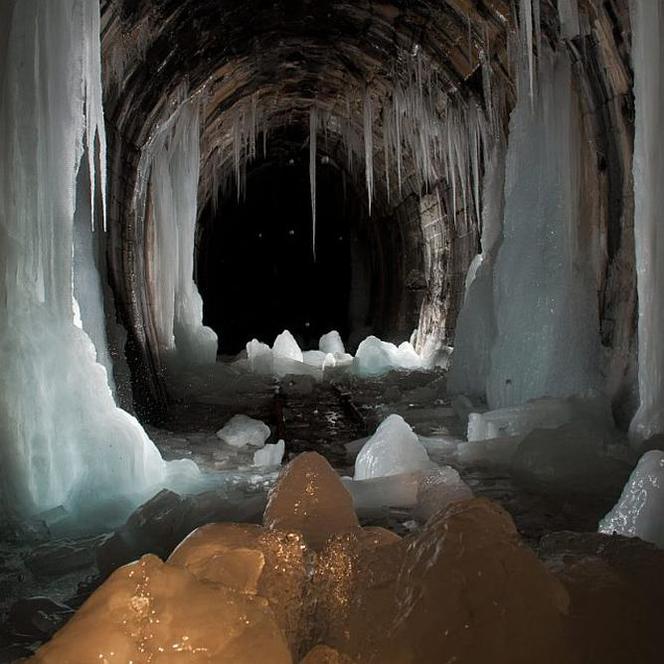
[(476, 182)]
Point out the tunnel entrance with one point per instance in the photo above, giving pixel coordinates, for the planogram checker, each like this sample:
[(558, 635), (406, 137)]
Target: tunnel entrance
[(256, 268)]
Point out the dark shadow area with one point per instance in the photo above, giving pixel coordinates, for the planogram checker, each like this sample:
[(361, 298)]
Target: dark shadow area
[(256, 270)]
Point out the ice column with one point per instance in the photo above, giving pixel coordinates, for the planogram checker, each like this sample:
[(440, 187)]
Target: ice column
[(648, 56), (64, 441), (546, 312), (178, 307), (476, 325)]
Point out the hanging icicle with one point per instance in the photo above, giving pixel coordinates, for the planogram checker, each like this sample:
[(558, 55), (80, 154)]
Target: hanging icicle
[(313, 130), (368, 146)]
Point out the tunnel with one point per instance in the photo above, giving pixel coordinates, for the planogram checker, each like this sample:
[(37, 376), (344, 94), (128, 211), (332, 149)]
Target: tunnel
[(330, 331)]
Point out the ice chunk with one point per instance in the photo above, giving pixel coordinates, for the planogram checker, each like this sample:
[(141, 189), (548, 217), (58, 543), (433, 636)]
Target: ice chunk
[(270, 455), (437, 489), (319, 359), (376, 492), (144, 609), (331, 343), (467, 587), (285, 346), (537, 414), (242, 430), (540, 414), (375, 357), (493, 452), (259, 356), (640, 510), (392, 450), (309, 498)]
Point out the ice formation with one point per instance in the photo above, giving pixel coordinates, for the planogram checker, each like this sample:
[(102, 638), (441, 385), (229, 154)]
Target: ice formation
[(476, 325), (331, 343), (640, 510), (393, 449), (313, 133), (242, 430), (172, 161), (375, 357), (270, 455), (518, 420), (547, 341), (648, 57), (285, 346), (65, 441)]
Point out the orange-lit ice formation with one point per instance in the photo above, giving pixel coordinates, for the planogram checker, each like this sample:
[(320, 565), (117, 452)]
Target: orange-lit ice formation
[(312, 586)]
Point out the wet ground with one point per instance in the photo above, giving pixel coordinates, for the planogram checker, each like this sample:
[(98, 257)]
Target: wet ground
[(45, 573)]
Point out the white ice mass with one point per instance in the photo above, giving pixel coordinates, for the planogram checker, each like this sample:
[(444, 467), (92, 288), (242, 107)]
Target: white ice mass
[(242, 430), (393, 449), (270, 455), (65, 441)]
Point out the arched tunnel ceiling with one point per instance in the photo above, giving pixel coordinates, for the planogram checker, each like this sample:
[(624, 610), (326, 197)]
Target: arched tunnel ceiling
[(289, 54), (288, 57)]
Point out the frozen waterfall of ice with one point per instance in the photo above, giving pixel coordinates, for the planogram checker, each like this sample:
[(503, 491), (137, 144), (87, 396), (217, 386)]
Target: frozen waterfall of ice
[(640, 510), (648, 57), (173, 164), (547, 325), (65, 442)]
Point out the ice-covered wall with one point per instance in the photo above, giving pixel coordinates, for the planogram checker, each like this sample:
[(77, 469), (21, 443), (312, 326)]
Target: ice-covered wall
[(177, 308), (648, 58), (63, 441)]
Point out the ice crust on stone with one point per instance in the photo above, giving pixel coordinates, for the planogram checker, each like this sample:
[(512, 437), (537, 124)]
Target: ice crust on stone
[(648, 57), (270, 455), (640, 510), (242, 430), (332, 343), (393, 449), (66, 442)]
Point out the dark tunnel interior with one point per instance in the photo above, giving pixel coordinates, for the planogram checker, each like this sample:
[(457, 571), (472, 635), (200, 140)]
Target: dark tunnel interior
[(256, 268)]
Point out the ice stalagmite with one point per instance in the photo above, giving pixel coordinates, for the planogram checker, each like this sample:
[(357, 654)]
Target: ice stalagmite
[(547, 340), (64, 440), (648, 56), (178, 313)]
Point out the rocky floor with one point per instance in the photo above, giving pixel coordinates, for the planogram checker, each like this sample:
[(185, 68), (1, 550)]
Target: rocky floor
[(46, 572)]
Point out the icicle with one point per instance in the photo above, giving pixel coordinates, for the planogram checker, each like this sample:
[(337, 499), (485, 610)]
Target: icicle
[(368, 146), (313, 131), (526, 28), (568, 12), (648, 56)]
